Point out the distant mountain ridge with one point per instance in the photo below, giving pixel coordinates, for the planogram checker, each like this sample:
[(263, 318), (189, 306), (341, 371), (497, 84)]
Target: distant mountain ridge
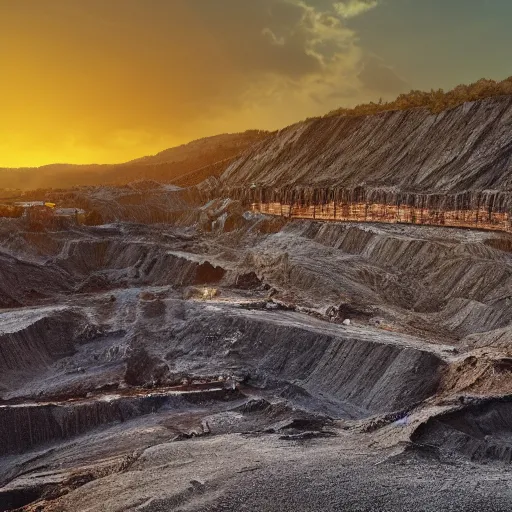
[(166, 166)]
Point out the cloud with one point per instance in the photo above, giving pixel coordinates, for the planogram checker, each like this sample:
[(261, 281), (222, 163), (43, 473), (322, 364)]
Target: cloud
[(353, 8), (107, 72), (273, 38)]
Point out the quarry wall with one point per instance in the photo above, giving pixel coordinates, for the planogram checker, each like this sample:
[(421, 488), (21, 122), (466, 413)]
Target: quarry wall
[(451, 168), (480, 210), (480, 218), (467, 148)]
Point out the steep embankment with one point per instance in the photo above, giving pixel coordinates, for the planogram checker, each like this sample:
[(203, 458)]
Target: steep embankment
[(480, 431), (357, 372), (452, 168), (31, 340), (22, 282), (49, 421), (467, 148)]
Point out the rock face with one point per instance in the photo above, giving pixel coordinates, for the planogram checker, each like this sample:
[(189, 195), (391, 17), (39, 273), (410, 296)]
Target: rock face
[(33, 340), (357, 374), (412, 166), (479, 431), (479, 218), (23, 427), (27, 426), (21, 280), (467, 148)]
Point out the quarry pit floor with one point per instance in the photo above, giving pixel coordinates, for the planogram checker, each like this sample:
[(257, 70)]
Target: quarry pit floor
[(123, 389)]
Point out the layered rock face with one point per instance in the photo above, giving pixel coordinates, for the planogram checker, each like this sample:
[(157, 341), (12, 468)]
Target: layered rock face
[(411, 166), (481, 218)]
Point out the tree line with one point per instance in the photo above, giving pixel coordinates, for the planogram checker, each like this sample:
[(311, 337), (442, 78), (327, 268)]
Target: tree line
[(435, 100)]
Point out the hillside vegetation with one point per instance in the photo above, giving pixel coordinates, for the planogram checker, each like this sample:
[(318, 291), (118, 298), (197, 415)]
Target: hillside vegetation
[(435, 100)]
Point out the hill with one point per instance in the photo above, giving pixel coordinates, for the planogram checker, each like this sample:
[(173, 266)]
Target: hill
[(468, 147), (197, 160)]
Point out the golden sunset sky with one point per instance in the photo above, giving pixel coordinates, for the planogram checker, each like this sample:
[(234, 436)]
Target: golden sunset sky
[(104, 81)]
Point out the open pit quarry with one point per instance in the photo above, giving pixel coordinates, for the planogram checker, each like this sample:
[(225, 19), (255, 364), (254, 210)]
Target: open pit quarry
[(328, 326)]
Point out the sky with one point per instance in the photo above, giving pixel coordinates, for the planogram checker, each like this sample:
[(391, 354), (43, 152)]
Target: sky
[(105, 81)]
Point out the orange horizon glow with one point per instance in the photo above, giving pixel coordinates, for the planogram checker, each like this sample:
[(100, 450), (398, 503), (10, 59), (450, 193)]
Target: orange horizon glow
[(19, 156)]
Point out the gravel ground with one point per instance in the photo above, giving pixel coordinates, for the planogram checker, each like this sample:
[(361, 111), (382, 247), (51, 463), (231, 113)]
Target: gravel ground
[(233, 472)]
